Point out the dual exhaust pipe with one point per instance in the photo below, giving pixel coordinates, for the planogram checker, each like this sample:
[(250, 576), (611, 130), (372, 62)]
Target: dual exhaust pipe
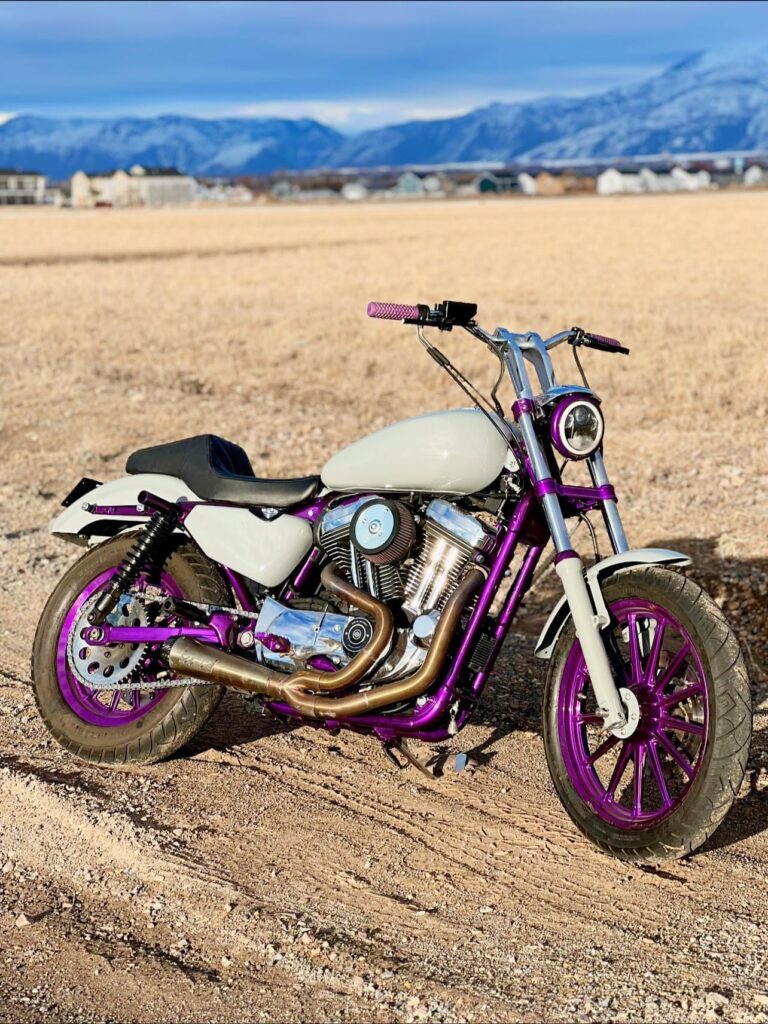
[(307, 690)]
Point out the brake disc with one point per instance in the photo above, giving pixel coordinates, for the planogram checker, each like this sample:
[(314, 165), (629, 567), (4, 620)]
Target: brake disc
[(107, 666)]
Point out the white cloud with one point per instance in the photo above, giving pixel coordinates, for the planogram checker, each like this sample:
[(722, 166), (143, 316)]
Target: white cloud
[(350, 115), (6, 117)]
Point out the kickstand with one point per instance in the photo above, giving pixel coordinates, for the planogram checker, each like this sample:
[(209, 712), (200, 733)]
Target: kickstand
[(401, 746)]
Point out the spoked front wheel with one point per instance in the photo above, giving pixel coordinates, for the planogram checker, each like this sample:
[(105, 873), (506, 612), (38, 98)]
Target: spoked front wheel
[(663, 791)]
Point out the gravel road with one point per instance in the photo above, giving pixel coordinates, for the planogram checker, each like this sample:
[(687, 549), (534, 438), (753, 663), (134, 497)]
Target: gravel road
[(270, 873)]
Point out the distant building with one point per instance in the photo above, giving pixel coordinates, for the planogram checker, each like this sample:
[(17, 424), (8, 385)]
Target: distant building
[(222, 191), (526, 183), (432, 185), (284, 189), (139, 186), (354, 191), (489, 182), (612, 181), (408, 184), (690, 181), (21, 188), (755, 174), (562, 182), (155, 186), (91, 188)]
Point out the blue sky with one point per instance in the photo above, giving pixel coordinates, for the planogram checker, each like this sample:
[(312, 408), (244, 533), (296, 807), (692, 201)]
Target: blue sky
[(350, 64)]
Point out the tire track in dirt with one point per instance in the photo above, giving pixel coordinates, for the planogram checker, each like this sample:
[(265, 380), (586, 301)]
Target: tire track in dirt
[(205, 897), (160, 255)]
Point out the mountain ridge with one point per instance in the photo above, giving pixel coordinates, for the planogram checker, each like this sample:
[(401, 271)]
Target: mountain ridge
[(705, 102)]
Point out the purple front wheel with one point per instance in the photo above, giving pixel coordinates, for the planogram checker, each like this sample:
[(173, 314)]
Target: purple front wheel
[(663, 790), (636, 782)]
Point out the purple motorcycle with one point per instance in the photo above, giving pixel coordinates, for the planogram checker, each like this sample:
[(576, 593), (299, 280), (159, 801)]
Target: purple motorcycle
[(376, 597)]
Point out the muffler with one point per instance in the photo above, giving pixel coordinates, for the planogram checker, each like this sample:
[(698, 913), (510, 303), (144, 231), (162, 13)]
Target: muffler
[(300, 690)]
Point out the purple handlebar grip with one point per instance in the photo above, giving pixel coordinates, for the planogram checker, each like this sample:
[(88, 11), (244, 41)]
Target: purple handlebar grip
[(602, 339), (392, 311)]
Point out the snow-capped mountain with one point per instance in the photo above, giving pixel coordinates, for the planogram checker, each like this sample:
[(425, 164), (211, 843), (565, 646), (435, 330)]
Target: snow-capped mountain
[(59, 147), (704, 103)]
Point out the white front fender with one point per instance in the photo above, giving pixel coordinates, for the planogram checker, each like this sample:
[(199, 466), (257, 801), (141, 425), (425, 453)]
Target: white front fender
[(595, 575), (78, 525)]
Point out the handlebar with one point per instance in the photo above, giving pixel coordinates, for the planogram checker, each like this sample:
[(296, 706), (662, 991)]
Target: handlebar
[(449, 314)]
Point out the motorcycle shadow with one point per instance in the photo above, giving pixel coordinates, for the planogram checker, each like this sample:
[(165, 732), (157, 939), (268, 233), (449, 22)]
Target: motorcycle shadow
[(512, 701), (233, 726), (740, 587)]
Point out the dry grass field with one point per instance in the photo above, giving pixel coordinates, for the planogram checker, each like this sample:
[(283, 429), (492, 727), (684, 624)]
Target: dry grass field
[(279, 874)]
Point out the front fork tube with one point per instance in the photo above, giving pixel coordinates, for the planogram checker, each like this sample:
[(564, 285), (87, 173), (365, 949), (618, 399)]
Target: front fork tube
[(586, 618), (610, 512)]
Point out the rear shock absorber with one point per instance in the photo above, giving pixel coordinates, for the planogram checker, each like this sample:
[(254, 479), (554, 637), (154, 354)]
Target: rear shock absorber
[(148, 544)]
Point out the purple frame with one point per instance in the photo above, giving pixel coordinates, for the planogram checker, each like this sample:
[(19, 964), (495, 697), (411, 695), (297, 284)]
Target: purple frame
[(447, 707)]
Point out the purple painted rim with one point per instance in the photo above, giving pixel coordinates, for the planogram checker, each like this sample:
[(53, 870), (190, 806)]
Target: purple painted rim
[(639, 782), (104, 709)]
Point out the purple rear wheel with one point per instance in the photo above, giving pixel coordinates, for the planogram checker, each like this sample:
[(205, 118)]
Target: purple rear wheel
[(106, 707), (123, 724), (662, 791)]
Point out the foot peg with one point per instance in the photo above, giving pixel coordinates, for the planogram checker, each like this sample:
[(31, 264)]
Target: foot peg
[(436, 767)]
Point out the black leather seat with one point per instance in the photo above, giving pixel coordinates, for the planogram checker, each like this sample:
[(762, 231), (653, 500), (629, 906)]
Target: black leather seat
[(218, 470)]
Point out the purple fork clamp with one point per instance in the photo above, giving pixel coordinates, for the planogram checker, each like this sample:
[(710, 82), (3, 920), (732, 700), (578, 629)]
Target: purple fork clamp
[(640, 781), (102, 708)]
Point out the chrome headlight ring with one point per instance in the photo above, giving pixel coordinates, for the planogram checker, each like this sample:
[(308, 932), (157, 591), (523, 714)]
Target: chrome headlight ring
[(577, 427)]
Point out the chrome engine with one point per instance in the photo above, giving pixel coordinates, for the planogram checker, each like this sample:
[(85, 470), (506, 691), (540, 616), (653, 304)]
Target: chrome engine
[(400, 557)]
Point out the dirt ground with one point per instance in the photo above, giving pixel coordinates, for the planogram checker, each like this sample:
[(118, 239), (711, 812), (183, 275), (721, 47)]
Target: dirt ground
[(278, 874)]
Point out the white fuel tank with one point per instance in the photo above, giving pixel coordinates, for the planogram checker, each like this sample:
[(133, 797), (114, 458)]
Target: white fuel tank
[(454, 452)]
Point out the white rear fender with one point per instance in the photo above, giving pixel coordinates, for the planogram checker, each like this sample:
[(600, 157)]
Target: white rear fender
[(76, 524), (266, 551)]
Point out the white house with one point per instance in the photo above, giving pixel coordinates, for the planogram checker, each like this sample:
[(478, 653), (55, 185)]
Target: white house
[(612, 182), (139, 186), (91, 189), (408, 184), (615, 182), (526, 183), (354, 191), (154, 186), (433, 186), (690, 181), (21, 188), (755, 175)]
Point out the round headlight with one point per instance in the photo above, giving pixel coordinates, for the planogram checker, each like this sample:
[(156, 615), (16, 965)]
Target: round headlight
[(577, 428)]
